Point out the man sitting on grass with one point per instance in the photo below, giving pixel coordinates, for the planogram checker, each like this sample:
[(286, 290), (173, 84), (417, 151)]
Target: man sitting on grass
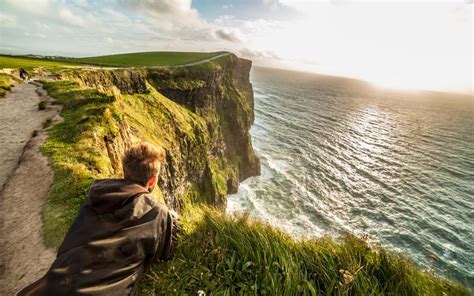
[(120, 228)]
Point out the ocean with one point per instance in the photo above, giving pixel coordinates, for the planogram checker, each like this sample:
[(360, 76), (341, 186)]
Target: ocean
[(340, 155)]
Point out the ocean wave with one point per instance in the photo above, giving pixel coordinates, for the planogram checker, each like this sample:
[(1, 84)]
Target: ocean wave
[(397, 169)]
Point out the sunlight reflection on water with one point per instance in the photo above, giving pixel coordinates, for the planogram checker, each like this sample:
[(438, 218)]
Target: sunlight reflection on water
[(336, 159)]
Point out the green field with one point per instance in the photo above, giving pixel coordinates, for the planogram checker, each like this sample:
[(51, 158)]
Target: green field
[(138, 59), (27, 63), (143, 59)]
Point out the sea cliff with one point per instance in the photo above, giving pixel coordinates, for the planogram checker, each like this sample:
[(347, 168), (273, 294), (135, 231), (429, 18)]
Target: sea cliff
[(201, 116)]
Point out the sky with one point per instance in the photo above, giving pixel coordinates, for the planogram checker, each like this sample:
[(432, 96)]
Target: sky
[(401, 44)]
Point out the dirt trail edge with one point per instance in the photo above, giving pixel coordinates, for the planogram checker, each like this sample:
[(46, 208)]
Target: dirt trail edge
[(25, 180)]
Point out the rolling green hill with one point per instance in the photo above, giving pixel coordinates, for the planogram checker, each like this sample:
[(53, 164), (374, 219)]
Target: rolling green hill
[(137, 59), (28, 63), (143, 59)]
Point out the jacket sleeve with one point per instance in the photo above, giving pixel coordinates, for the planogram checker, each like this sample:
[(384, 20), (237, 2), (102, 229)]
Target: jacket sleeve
[(35, 289), (167, 235)]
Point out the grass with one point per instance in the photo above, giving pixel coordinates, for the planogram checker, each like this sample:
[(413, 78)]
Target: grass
[(144, 59), (28, 63), (217, 254), (6, 81), (138, 59), (237, 256), (73, 150), (78, 151)]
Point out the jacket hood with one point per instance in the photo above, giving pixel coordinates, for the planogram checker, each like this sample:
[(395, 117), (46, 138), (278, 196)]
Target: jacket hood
[(109, 195)]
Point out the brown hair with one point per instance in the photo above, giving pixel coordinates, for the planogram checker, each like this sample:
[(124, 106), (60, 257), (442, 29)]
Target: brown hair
[(142, 161)]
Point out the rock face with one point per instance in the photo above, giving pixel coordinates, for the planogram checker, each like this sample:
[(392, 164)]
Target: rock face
[(127, 81), (223, 96), (206, 138)]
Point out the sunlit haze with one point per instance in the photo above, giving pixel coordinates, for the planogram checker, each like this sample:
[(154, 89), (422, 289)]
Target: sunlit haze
[(423, 45)]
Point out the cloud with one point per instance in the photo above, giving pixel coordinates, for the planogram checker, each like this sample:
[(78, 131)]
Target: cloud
[(160, 6), (258, 54), (73, 19), (113, 26), (178, 20), (275, 4), (232, 36), (76, 13), (262, 9), (7, 21), (37, 35), (170, 19), (37, 7), (247, 27), (178, 11)]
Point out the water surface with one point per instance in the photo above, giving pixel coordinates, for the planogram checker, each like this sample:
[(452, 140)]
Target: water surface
[(340, 155)]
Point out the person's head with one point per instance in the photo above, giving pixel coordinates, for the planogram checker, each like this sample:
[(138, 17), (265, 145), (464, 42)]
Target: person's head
[(142, 163)]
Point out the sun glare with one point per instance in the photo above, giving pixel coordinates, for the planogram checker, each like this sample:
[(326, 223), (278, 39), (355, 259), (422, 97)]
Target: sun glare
[(391, 44)]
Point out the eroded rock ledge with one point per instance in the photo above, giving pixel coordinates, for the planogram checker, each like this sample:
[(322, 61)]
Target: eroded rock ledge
[(208, 162)]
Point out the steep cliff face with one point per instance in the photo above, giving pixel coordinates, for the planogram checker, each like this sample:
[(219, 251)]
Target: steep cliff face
[(224, 97), (201, 116), (127, 81)]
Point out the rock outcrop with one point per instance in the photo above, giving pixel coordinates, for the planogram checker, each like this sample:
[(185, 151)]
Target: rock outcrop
[(206, 135)]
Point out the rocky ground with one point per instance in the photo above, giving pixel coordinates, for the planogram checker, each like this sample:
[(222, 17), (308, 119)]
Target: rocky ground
[(25, 179)]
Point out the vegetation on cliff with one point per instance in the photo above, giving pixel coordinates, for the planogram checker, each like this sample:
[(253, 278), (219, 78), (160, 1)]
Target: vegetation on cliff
[(6, 82), (201, 116), (96, 129), (201, 165), (223, 255)]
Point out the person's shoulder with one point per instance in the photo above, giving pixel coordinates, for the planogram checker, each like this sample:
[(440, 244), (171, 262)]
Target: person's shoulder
[(153, 202)]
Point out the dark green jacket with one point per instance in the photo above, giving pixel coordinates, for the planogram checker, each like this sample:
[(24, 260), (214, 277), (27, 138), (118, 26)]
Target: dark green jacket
[(119, 229)]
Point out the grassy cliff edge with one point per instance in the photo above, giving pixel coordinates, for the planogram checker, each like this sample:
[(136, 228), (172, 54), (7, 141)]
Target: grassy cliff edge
[(201, 116)]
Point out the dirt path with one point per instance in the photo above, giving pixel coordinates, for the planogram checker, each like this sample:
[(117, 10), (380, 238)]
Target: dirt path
[(25, 179), (202, 61)]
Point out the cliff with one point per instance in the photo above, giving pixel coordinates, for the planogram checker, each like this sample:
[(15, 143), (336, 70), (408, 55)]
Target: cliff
[(206, 162), (200, 115)]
